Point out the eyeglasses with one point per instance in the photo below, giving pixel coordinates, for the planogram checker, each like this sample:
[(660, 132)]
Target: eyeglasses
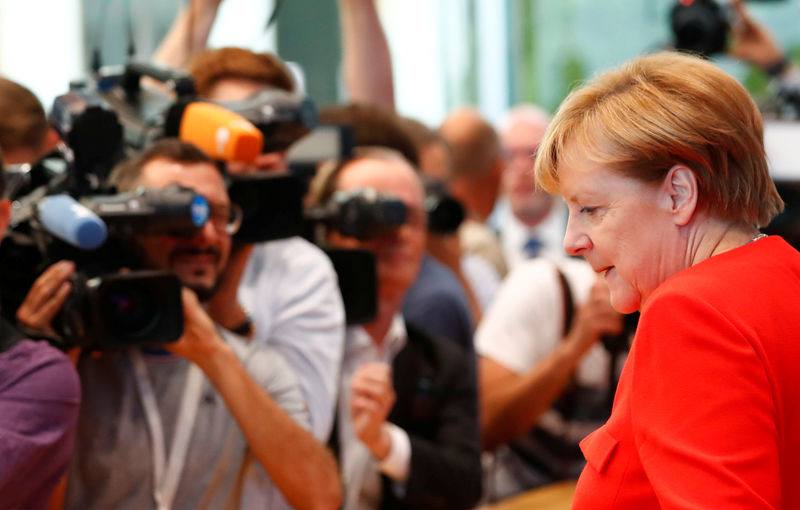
[(527, 153), (226, 218)]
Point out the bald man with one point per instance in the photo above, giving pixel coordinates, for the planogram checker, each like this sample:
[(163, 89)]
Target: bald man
[(475, 180)]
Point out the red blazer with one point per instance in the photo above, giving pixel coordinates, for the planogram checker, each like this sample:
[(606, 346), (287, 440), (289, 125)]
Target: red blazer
[(707, 412)]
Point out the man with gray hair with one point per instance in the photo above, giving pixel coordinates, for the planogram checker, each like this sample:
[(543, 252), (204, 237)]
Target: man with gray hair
[(535, 223), (543, 371)]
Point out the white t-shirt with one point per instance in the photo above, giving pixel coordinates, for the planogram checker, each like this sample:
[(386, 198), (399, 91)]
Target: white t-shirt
[(524, 325), (292, 292), (525, 322), (112, 464)]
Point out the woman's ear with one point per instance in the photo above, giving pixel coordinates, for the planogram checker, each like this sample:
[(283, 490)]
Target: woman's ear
[(681, 192)]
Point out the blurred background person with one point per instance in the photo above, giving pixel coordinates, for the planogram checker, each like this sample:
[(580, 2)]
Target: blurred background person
[(476, 275), (39, 396), (25, 135), (531, 222), (436, 302), (546, 379), (408, 429), (285, 290), (475, 181)]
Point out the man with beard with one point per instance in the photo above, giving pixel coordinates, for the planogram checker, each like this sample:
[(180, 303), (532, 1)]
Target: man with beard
[(407, 418), (139, 444)]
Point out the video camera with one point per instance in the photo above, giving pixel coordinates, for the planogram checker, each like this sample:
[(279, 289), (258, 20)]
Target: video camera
[(105, 308), (702, 26), (362, 214), (63, 208)]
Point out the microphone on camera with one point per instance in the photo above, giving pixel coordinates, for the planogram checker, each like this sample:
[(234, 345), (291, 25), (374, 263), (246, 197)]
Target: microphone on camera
[(70, 221), (220, 133)]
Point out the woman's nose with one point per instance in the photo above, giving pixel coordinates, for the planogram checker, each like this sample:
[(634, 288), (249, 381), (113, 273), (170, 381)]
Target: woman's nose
[(576, 241)]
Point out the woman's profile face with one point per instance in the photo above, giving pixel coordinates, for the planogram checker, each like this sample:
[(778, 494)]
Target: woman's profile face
[(621, 226)]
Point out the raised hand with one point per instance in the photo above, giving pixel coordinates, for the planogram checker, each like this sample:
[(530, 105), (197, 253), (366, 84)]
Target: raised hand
[(371, 401), (46, 297)]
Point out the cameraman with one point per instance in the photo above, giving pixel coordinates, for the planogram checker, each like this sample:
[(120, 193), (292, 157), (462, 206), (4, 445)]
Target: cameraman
[(288, 287), (248, 406), (407, 419), (39, 401)]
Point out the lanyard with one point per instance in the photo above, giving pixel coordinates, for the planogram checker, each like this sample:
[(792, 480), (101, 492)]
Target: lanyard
[(167, 471)]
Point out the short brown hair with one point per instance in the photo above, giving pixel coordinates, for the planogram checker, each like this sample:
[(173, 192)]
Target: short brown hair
[(126, 174), (373, 126), (23, 123), (421, 134), (210, 66), (663, 109)]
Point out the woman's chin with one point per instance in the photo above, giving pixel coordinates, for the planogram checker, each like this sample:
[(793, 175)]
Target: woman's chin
[(625, 302)]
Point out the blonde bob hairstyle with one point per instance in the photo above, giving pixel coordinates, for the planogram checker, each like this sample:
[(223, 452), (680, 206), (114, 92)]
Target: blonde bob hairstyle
[(660, 110)]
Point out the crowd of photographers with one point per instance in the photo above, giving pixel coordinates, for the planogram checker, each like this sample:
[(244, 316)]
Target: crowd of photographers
[(396, 327)]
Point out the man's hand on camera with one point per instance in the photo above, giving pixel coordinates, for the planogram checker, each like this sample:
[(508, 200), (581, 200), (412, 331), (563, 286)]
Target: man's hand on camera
[(200, 340), (46, 297)]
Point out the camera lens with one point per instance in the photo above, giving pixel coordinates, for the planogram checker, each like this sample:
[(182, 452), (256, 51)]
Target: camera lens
[(700, 27), (445, 214), (132, 311)]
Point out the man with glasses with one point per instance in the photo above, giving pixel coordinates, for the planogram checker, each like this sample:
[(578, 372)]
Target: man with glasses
[(287, 288), (532, 222), (137, 446)]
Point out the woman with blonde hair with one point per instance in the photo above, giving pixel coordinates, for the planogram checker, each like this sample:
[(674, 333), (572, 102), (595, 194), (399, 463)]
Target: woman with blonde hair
[(662, 166)]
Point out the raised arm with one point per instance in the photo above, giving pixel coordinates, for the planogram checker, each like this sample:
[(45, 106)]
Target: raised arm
[(753, 43), (366, 59), (188, 33), (302, 469), (511, 402)]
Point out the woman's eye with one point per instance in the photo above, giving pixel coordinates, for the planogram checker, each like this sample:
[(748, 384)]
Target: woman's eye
[(588, 210)]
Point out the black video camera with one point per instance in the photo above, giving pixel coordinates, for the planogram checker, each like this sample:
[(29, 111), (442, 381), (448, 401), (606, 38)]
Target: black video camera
[(445, 213), (362, 214), (119, 310), (701, 26), (105, 308), (283, 117)]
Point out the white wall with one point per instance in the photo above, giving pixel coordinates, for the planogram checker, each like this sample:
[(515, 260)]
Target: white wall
[(241, 23), (431, 60), (42, 52), (413, 32)]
